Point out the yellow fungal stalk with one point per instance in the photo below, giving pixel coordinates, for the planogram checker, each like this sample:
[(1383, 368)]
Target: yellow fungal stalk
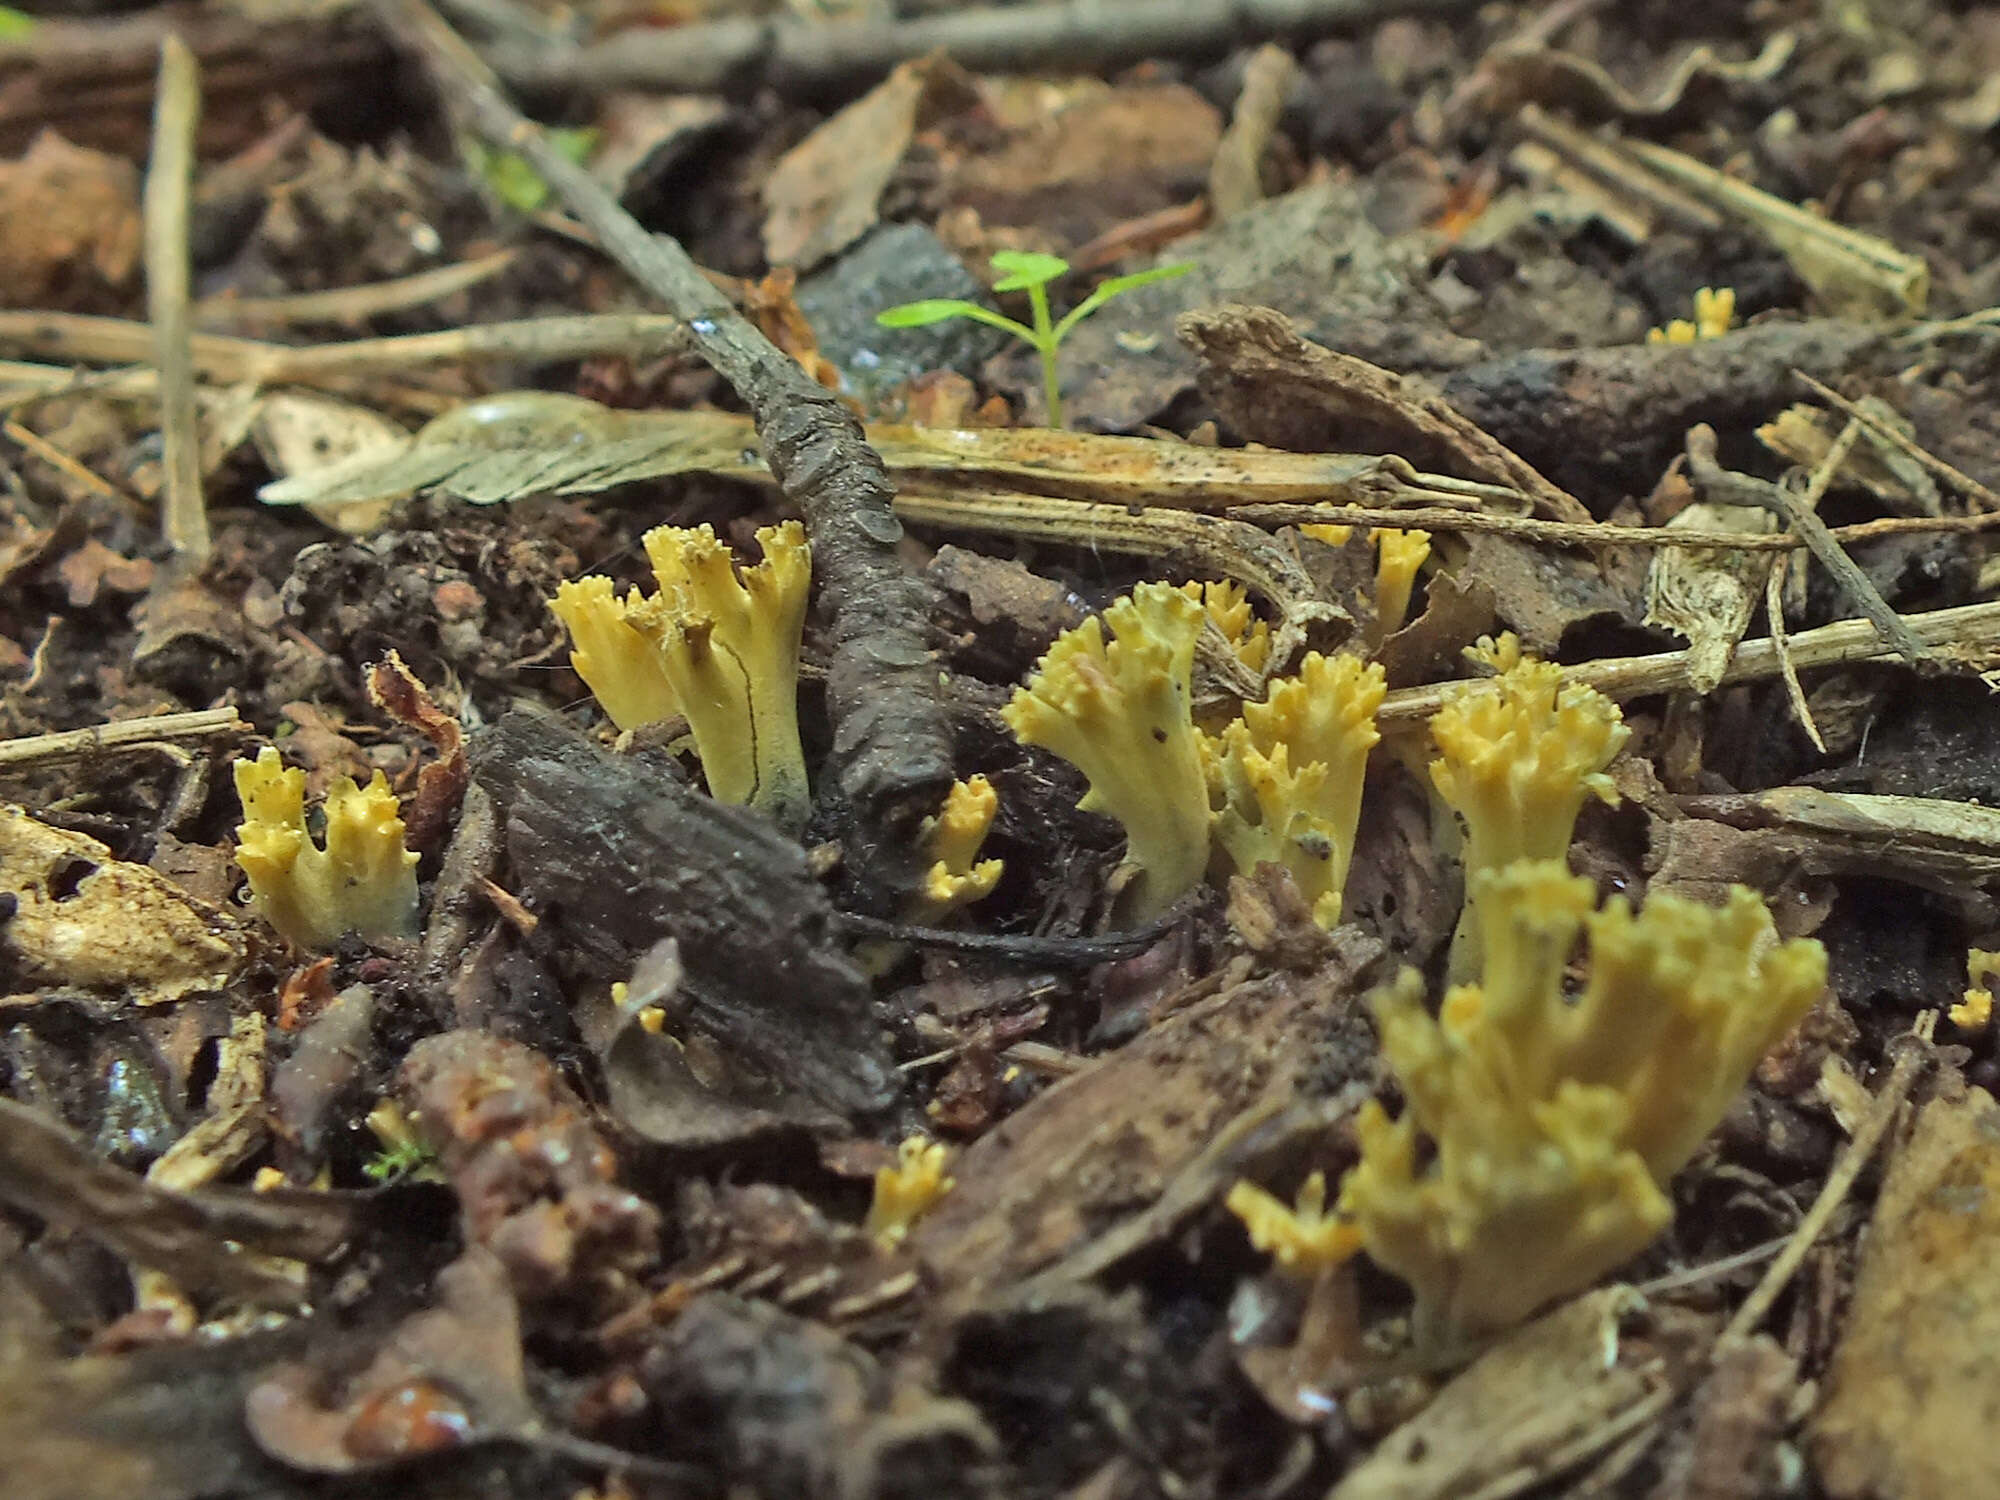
[(1289, 776), (1517, 755), (906, 1191), (1975, 1011), (618, 664), (1398, 556), (1121, 713), (1554, 1123), (363, 880), (1302, 1237), (957, 875), (728, 642)]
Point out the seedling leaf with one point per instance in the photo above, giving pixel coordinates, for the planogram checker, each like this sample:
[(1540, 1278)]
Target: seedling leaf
[(1118, 284), (1026, 268)]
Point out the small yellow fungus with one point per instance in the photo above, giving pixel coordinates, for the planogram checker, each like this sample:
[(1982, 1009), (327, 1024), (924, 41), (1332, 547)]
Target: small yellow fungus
[(1398, 556), (951, 840), (1554, 1123), (1975, 1011), (728, 642), (1228, 605), (1289, 776), (1714, 313), (1517, 755), (363, 880), (1122, 714), (1270, 813), (1303, 1238), (906, 1191), (619, 665)]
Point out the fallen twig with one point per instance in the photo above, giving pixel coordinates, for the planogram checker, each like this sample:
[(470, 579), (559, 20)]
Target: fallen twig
[(795, 56), (1957, 478), (121, 735), (183, 512), (1797, 506), (1969, 627), (351, 304), (891, 756), (1912, 1052)]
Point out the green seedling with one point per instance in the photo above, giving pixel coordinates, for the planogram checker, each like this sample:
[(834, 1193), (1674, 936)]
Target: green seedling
[(408, 1159), (1030, 272)]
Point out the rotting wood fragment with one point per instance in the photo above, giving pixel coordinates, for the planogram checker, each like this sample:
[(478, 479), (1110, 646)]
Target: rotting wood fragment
[(613, 855)]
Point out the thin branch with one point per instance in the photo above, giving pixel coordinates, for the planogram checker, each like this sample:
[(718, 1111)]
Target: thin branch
[(1912, 1052), (352, 304), (183, 512), (1596, 533), (790, 57), (1969, 628), (119, 736), (891, 756), (1963, 482)]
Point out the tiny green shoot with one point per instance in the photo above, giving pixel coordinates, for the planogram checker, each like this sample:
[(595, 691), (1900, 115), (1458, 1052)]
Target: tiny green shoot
[(393, 1163), (1030, 272)]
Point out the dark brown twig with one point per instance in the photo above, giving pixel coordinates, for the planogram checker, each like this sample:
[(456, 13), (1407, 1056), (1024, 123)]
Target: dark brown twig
[(795, 56), (891, 758)]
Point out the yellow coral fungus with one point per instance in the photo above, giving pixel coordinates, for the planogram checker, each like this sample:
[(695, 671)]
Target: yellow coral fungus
[(951, 841), (363, 880), (728, 642), (1398, 556), (619, 665), (1271, 813), (906, 1191), (1303, 1238), (1554, 1123), (1714, 312), (1975, 1011), (1290, 773), (1121, 713), (1517, 756), (1228, 605)]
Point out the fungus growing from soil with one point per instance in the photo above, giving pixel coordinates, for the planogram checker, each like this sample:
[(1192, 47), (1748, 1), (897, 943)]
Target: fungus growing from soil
[(1540, 1129), (1518, 754), (727, 640), (951, 841), (1121, 712), (1289, 775), (363, 879), (616, 662), (907, 1191)]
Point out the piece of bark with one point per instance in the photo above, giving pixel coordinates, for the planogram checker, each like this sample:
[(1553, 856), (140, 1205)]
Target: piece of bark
[(1037, 1190), (783, 1406), (1606, 421), (613, 856), (1276, 386), (1915, 1384)]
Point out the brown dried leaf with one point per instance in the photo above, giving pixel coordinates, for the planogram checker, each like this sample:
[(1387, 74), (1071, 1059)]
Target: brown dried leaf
[(1542, 1401), (821, 196), (1272, 383), (73, 228), (394, 688)]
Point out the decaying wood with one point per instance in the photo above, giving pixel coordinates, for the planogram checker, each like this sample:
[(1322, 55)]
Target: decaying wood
[(1110, 1141), (614, 853)]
